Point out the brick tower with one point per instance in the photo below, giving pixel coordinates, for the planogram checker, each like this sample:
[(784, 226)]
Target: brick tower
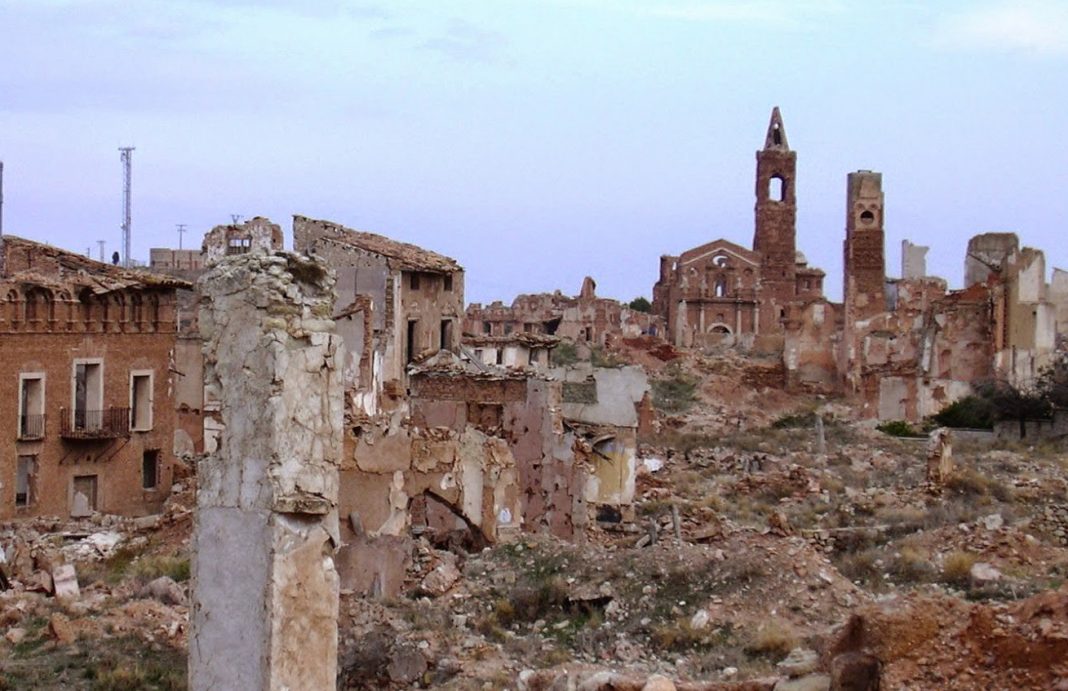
[(865, 263), (776, 219)]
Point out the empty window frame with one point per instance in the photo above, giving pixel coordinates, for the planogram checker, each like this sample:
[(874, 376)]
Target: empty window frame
[(776, 189), (31, 405), (83, 496), (26, 481), (141, 407), (87, 404), (446, 334), (414, 280), (150, 469), (413, 331), (446, 284)]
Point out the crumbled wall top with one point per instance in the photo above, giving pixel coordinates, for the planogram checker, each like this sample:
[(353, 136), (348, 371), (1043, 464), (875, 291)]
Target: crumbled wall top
[(37, 263), (403, 255), (523, 338)]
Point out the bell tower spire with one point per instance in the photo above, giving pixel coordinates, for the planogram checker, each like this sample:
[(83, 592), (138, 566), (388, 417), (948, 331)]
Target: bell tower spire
[(776, 217), (776, 137)]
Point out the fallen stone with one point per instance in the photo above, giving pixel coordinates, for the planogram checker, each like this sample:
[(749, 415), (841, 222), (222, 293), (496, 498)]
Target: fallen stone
[(406, 665), (60, 630), (147, 522), (699, 620), (39, 582), (165, 590), (799, 662), (811, 682), (993, 521), (855, 672), (598, 681), (658, 682), (15, 636), (439, 580), (983, 574), (65, 582)]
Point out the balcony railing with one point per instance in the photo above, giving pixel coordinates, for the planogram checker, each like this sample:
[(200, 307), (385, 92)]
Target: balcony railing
[(31, 426), (95, 424)]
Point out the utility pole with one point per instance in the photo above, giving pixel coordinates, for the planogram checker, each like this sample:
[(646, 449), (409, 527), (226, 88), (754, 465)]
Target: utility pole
[(1, 199), (235, 218), (127, 156), (181, 232), (101, 244)]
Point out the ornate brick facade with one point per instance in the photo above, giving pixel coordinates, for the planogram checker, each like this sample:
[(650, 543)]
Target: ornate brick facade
[(722, 292)]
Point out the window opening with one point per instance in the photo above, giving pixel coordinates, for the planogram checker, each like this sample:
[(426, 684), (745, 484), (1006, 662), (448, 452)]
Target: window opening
[(26, 481), (150, 469), (141, 402), (776, 189), (31, 412), (413, 325)]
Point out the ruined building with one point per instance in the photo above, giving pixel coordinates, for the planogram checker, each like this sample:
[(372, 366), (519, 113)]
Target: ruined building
[(584, 318), (397, 303), (198, 423), (721, 292), (910, 346), (903, 348), (88, 356)]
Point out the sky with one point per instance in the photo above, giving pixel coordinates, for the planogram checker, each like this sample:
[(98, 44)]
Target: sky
[(536, 141)]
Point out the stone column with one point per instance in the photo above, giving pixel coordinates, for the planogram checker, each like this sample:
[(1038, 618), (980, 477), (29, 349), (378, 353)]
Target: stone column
[(265, 591)]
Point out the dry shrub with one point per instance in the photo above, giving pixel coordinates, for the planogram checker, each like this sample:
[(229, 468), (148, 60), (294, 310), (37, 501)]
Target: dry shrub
[(957, 567), (774, 638)]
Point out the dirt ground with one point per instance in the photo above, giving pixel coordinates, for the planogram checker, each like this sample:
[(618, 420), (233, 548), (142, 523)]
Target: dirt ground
[(760, 556)]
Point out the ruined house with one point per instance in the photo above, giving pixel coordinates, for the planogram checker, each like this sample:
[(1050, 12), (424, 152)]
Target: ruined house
[(198, 425), (517, 349), (397, 303), (721, 292), (584, 318), (601, 407), (88, 370), (910, 346)]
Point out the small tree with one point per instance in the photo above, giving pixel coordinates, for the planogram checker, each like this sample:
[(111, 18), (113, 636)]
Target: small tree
[(640, 304), (1015, 403), (1053, 382)]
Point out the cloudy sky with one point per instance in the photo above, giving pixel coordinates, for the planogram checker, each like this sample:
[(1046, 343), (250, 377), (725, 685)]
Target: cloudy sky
[(536, 141)]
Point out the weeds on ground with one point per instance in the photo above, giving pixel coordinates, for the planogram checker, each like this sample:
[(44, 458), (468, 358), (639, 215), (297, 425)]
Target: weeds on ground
[(957, 567), (774, 638), (676, 392)]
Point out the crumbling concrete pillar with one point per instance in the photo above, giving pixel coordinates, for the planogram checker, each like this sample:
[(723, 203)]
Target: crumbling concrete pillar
[(265, 591), (939, 457)]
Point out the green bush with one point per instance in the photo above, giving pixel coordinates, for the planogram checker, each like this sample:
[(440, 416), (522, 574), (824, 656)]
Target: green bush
[(564, 354), (675, 393), (899, 428), (640, 304), (970, 412)]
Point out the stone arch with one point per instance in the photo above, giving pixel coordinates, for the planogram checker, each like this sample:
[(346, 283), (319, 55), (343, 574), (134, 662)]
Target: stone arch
[(11, 306), (720, 328), (40, 307)]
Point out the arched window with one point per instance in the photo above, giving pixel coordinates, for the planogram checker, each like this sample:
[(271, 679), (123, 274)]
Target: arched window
[(12, 307), (776, 188), (135, 308), (721, 287)]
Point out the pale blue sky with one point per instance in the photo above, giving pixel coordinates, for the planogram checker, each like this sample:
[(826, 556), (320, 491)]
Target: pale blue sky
[(536, 141)]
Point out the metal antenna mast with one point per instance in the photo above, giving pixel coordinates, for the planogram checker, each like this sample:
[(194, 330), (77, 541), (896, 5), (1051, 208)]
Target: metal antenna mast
[(1, 199), (127, 156), (101, 243), (181, 232)]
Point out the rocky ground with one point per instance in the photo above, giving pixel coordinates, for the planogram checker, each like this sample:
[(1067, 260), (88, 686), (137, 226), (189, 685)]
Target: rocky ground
[(762, 554)]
